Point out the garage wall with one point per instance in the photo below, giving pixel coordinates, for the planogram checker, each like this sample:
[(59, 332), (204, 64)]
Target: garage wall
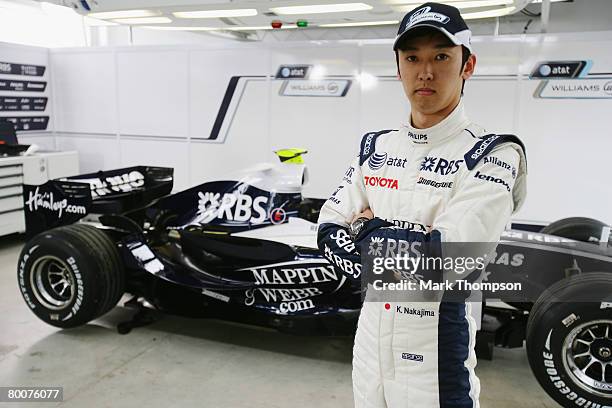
[(158, 105)]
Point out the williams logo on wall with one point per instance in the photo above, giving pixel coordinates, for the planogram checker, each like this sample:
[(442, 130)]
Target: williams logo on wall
[(11, 68), (322, 87), (570, 80)]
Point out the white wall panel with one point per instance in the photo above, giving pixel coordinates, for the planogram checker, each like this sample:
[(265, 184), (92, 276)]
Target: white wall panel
[(96, 152), (328, 127), (497, 56), (491, 102), (210, 72), (379, 83), (45, 141), (568, 140), (85, 91), (153, 92), (246, 143)]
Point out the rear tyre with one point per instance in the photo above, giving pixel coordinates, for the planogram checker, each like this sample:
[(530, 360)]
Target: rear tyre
[(569, 340), (576, 228), (70, 275)]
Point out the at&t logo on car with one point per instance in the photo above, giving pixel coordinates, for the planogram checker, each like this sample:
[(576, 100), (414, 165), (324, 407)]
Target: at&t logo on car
[(378, 160), (381, 182)]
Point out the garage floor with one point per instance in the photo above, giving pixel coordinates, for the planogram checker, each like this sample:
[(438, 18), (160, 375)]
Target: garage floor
[(199, 363)]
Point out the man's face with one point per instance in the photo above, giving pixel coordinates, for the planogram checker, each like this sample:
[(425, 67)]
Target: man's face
[(431, 72)]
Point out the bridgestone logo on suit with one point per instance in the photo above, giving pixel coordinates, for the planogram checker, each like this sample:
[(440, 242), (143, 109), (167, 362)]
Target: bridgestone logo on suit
[(381, 182)]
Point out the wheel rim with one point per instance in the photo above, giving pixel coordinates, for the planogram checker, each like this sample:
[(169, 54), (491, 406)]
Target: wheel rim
[(587, 357), (52, 282)]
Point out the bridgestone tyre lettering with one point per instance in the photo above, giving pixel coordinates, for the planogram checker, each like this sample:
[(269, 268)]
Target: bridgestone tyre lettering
[(576, 228), (554, 321), (82, 255)]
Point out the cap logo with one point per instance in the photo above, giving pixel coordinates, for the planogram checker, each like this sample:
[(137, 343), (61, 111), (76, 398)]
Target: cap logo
[(424, 14)]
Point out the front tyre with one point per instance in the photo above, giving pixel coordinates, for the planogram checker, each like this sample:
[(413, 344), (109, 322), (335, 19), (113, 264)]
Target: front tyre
[(569, 342), (70, 275)]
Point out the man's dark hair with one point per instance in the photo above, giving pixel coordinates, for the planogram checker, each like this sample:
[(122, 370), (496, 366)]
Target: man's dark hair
[(428, 31)]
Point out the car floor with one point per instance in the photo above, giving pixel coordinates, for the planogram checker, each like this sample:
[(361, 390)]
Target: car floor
[(199, 363)]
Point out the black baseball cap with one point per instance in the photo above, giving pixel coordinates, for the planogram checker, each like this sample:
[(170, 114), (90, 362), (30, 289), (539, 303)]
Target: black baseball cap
[(447, 19)]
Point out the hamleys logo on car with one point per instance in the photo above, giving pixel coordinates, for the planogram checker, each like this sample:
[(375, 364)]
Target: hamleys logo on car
[(381, 182)]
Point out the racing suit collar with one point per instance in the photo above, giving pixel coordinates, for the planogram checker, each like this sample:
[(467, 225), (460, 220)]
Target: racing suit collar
[(449, 126)]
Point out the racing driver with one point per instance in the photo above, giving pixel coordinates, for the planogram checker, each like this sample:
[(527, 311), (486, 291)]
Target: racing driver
[(437, 177)]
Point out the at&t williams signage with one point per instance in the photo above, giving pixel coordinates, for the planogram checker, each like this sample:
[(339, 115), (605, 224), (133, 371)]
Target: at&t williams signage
[(570, 80)]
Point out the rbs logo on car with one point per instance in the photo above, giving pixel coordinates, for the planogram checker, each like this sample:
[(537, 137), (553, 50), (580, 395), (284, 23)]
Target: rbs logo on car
[(232, 207)]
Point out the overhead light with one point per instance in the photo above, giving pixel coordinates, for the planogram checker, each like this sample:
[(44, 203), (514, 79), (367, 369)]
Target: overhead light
[(481, 3), (552, 1), (94, 22), (232, 28), (176, 28), (216, 13), (360, 24), (123, 14), (489, 13), (144, 20), (237, 28), (459, 4), (321, 8)]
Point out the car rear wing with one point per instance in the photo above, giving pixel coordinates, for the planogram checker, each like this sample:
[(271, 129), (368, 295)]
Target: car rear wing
[(66, 200)]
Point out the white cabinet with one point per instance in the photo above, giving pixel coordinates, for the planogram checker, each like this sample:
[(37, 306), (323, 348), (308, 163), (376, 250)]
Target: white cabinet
[(36, 169)]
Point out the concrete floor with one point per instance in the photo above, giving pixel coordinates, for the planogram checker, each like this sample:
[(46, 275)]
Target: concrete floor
[(199, 363)]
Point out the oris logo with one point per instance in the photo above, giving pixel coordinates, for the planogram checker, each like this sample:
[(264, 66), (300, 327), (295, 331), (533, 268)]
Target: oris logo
[(381, 182), (440, 165)]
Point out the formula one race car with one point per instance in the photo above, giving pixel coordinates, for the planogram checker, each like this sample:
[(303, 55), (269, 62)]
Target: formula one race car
[(244, 249)]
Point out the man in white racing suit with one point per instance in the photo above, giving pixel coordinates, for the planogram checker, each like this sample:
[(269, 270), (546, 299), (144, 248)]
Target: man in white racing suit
[(438, 175)]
